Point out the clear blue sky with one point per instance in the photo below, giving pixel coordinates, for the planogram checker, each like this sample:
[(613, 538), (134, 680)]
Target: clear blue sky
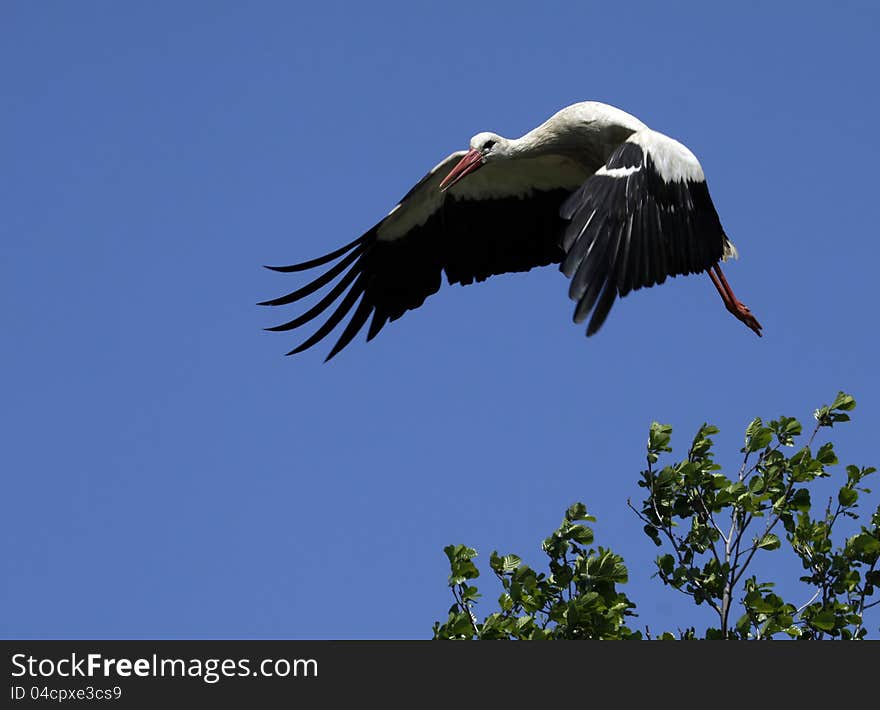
[(168, 473)]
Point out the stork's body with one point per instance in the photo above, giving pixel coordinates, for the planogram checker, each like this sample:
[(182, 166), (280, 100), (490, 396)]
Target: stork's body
[(618, 205)]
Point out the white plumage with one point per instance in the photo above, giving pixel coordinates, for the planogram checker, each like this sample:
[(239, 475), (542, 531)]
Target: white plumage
[(618, 205)]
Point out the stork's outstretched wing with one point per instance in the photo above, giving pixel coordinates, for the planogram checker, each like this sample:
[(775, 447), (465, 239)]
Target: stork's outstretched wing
[(642, 217), (501, 219)]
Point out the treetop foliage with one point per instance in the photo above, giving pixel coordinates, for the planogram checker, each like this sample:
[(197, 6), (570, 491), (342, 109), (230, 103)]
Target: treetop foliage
[(710, 527)]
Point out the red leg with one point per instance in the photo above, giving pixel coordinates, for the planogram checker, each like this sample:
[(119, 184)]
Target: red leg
[(731, 302)]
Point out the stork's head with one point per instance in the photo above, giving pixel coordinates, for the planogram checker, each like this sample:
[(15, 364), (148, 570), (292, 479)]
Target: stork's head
[(484, 148)]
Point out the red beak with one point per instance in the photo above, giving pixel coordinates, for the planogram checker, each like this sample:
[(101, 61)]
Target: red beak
[(468, 164)]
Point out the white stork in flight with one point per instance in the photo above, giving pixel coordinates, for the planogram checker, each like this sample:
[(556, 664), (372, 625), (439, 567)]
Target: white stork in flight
[(617, 205)]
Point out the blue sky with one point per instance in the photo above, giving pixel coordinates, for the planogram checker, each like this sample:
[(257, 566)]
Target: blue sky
[(169, 474)]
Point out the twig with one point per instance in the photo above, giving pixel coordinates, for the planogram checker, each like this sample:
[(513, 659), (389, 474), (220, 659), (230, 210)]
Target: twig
[(675, 547), (709, 515), (805, 605), (459, 599), (754, 549), (862, 607)]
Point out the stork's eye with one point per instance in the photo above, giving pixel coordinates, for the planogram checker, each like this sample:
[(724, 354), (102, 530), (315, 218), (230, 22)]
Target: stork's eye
[(487, 146)]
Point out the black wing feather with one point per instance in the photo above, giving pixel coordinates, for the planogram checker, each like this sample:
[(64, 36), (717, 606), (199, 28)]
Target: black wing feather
[(630, 229), (319, 307), (320, 261), (342, 310), (317, 284), (467, 240)]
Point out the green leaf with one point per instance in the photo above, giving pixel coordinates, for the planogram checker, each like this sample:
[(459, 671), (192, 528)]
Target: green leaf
[(653, 533), (759, 439), (786, 428), (470, 593), (824, 620), (792, 426), (752, 429), (825, 455), (462, 625), (658, 440), (460, 563), (769, 542), (581, 534), (801, 500), (578, 511), (505, 602), (510, 563), (843, 402), (828, 416), (759, 603), (719, 480), (847, 497), (865, 546)]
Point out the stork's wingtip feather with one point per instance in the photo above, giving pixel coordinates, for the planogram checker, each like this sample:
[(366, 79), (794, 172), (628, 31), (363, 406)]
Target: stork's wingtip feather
[(299, 348), (283, 269), (333, 353)]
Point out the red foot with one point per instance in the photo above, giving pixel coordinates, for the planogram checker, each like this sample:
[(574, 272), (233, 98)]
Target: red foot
[(731, 302), (742, 312)]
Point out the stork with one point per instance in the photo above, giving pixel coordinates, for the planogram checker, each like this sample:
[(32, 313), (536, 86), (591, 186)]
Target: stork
[(617, 205)]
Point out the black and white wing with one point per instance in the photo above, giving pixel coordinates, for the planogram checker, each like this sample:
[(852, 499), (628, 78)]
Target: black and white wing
[(642, 217), (503, 218)]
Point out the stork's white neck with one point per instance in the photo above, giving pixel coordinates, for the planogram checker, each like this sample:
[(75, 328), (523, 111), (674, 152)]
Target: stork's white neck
[(586, 132)]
